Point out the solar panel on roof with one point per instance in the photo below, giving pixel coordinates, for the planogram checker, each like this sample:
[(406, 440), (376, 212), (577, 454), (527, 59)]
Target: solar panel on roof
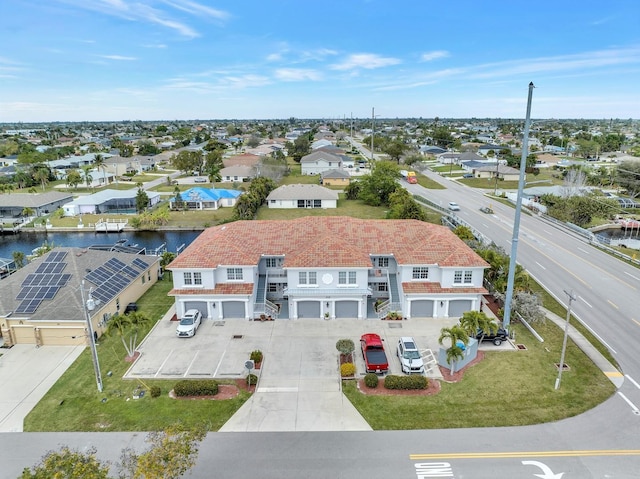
[(139, 263), (28, 306), (115, 264), (134, 273), (55, 257)]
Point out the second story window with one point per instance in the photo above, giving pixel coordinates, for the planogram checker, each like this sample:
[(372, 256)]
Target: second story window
[(468, 277), (309, 278), (234, 274), (420, 272), (197, 278), (383, 262), (271, 262), (188, 278), (463, 277), (347, 277)]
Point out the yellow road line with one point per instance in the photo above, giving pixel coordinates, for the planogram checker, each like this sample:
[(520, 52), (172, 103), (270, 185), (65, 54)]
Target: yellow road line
[(506, 455), (613, 304)]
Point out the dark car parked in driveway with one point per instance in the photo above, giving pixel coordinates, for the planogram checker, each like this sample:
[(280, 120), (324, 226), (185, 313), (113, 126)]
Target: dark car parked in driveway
[(496, 337), (131, 308)]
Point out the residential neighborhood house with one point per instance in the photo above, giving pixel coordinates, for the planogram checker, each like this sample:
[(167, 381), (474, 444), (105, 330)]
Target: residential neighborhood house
[(327, 267)]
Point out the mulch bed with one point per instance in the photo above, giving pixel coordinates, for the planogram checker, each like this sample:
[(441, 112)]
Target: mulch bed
[(432, 388), (225, 391)]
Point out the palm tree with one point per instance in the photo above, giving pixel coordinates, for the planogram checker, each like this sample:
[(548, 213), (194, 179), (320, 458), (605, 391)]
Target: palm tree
[(18, 258), (127, 327), (42, 175), (455, 335), (99, 163), (27, 211), (87, 176), (473, 321)]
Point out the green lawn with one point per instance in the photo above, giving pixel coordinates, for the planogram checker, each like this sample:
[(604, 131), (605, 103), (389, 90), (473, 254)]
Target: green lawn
[(74, 404), (505, 389)]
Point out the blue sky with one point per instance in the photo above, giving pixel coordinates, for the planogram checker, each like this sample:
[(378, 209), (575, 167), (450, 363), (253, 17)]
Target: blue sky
[(76, 60)]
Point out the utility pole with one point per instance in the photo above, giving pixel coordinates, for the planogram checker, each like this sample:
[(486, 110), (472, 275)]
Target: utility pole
[(373, 129), (572, 297), (516, 222)]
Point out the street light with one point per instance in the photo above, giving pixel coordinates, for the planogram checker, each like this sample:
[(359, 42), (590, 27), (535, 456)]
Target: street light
[(516, 223), (572, 297), (90, 305)]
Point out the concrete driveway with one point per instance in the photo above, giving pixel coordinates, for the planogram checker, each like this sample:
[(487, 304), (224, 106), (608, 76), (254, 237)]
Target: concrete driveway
[(26, 374), (299, 386)]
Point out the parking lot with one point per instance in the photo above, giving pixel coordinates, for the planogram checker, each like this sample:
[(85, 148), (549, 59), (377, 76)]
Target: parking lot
[(291, 347)]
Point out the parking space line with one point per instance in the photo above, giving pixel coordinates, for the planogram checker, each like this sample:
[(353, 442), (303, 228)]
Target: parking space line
[(191, 364), (163, 363), (215, 373)]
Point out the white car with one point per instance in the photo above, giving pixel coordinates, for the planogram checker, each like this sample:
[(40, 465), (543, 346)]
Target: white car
[(409, 356), (453, 206), (189, 324)]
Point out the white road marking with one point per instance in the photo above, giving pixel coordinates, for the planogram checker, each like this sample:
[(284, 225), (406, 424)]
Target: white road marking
[(631, 379), (584, 251), (633, 406), (483, 224), (191, 363), (548, 232), (634, 277), (163, 363), (583, 300), (215, 373), (541, 265)]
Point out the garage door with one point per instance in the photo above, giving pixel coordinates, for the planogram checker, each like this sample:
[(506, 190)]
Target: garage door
[(458, 307), (346, 309), (422, 308), (233, 310), (24, 335), (56, 337), (309, 309), (199, 305)]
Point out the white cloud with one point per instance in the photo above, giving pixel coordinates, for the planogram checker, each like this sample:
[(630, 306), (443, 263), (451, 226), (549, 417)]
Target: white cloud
[(118, 57), (297, 74), (156, 45), (197, 9), (367, 61), (429, 56)]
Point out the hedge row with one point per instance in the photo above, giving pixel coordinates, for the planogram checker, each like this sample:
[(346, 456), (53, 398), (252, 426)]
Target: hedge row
[(405, 382), (198, 387)]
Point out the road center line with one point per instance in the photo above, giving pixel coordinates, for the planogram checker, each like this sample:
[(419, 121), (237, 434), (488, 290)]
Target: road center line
[(584, 251), (633, 406), (583, 300), (541, 265), (612, 304), (505, 455)]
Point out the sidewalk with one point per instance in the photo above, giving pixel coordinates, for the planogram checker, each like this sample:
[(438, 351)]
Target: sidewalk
[(609, 370)]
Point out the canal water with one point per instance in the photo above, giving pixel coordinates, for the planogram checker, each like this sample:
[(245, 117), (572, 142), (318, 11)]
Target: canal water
[(27, 242)]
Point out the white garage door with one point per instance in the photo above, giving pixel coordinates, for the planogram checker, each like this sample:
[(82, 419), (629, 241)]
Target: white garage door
[(346, 309), (309, 309), (199, 305), (233, 310), (422, 308), (458, 307)]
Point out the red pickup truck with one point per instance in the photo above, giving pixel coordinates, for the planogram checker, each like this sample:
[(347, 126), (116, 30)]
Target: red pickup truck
[(375, 359)]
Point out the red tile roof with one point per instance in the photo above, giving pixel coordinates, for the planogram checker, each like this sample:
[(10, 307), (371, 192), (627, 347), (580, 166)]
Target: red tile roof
[(223, 288), (335, 241), (430, 288)]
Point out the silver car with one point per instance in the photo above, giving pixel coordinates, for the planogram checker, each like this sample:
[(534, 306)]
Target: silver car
[(409, 356)]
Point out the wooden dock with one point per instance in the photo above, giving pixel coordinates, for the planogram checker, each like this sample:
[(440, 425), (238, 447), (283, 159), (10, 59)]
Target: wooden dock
[(110, 225)]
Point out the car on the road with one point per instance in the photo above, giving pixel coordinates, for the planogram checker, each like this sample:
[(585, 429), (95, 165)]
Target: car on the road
[(409, 356), (453, 206), (496, 337), (189, 323), (131, 308), (200, 179)]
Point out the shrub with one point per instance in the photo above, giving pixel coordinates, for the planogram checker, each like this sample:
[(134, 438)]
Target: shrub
[(347, 369), (252, 380), (198, 387), (345, 346), (256, 356), (405, 382), (155, 391), (371, 380)]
